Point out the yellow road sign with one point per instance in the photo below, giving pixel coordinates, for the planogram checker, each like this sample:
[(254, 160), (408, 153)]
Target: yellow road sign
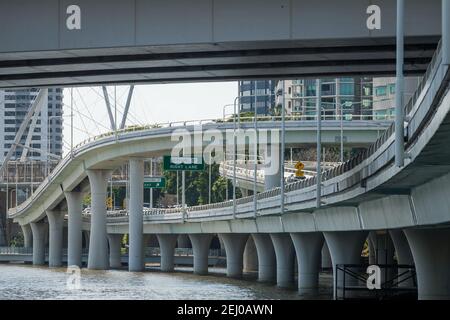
[(299, 172), (109, 202)]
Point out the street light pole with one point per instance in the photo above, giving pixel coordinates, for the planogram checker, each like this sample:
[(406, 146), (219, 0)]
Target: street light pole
[(283, 144), (342, 133), (209, 180), (255, 164), (399, 87), (319, 143)]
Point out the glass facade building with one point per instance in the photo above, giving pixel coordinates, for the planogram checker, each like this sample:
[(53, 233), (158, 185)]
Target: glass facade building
[(259, 93), (47, 135)]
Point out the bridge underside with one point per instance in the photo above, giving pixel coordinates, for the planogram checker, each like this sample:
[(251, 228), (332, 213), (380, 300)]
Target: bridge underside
[(212, 62)]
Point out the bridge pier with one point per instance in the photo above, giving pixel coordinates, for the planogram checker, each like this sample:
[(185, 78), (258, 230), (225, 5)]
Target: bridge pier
[(284, 253), (431, 251), (98, 242), (308, 247), (403, 254), (200, 247), (39, 232), (55, 222), (74, 232), (27, 235), (167, 243), (234, 248), (266, 257), (345, 248), (115, 244), (136, 223)]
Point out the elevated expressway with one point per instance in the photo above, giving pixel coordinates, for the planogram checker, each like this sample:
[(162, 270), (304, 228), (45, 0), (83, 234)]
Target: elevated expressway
[(155, 41), (366, 193)]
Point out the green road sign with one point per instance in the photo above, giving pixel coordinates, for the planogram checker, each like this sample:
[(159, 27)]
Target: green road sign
[(154, 182), (183, 163)]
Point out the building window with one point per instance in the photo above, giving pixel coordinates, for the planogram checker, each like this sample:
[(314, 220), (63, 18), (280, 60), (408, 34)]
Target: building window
[(380, 91)]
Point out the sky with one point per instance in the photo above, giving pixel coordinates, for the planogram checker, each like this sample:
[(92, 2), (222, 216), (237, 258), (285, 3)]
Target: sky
[(156, 103)]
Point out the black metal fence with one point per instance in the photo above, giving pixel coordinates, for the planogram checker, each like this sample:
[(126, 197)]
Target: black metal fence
[(395, 282)]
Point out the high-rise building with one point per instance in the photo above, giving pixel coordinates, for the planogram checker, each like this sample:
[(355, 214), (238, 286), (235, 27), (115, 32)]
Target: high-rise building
[(264, 93), (47, 136), (351, 95), (384, 95)]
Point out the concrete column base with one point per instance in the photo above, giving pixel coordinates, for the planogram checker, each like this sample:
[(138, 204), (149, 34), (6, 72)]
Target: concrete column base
[(39, 230), (308, 247), (267, 263), (431, 251), (200, 246), (115, 244), (284, 253), (55, 222), (167, 243), (234, 247)]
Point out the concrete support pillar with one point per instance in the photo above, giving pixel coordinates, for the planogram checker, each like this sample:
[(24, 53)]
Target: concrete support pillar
[(39, 230), (55, 223), (136, 224), (267, 264), (27, 235), (183, 241), (431, 251), (446, 32), (115, 244), (326, 257), (234, 247), (345, 248), (200, 246), (308, 247), (250, 256), (167, 243), (136, 258), (404, 256), (285, 253), (74, 233), (98, 242)]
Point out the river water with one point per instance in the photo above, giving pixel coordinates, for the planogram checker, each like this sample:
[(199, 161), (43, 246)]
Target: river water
[(31, 282)]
